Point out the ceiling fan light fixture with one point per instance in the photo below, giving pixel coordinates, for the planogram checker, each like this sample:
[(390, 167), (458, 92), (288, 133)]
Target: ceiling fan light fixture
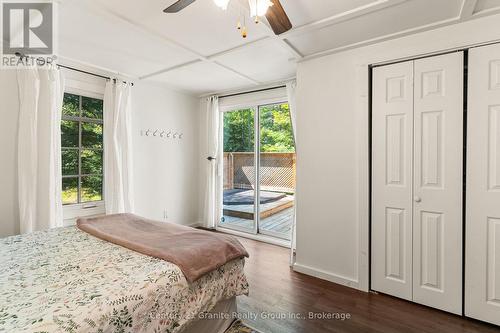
[(259, 7), (222, 3)]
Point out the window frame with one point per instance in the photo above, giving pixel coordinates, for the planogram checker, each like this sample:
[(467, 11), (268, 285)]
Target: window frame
[(80, 119), (72, 211)]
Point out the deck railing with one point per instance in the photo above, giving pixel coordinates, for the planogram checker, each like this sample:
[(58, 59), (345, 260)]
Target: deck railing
[(277, 171)]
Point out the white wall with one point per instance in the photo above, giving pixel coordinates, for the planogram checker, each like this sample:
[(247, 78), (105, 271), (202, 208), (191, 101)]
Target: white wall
[(166, 172), (332, 148), (9, 112)]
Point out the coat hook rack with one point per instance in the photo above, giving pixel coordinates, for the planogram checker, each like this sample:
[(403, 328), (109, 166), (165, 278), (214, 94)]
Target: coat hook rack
[(162, 133)]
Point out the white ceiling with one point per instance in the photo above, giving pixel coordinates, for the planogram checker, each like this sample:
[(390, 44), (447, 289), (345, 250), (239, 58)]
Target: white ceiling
[(199, 50)]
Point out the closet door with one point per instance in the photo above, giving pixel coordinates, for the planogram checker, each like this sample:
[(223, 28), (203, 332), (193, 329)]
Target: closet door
[(392, 125), (482, 281), (438, 182)]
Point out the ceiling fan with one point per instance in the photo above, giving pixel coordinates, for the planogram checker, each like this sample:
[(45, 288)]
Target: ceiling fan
[(272, 9)]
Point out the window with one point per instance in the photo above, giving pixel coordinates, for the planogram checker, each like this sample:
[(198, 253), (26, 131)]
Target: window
[(82, 149)]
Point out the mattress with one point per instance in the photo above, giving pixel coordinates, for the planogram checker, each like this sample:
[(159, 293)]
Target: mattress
[(65, 280)]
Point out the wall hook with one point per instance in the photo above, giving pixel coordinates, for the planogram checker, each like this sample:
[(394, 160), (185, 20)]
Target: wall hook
[(147, 132), (155, 133)]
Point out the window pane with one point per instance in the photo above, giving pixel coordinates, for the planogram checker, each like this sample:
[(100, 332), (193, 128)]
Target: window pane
[(69, 133), (239, 131), (91, 188), (69, 162), (91, 162), (71, 105), (91, 107), (70, 190), (276, 129), (91, 135)]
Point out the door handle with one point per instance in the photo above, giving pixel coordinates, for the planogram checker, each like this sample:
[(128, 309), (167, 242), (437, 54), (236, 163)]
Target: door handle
[(418, 199)]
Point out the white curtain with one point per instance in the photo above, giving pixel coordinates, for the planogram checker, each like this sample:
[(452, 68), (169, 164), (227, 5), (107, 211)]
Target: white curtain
[(39, 148), (291, 87), (118, 182), (212, 194)]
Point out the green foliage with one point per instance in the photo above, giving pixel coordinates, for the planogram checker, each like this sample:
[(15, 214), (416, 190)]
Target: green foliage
[(239, 131), (91, 188), (71, 105), (69, 162), (275, 130), (70, 190), (276, 133), (69, 133), (91, 162), (86, 157), (91, 107), (91, 135)]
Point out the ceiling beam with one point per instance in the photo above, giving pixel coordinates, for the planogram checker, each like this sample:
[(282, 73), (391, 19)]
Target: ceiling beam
[(169, 69), (103, 9), (237, 48), (384, 38), (338, 18), (242, 7), (467, 9), (210, 58), (411, 31), (281, 41)]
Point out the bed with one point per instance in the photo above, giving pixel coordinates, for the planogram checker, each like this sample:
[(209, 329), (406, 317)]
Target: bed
[(65, 280)]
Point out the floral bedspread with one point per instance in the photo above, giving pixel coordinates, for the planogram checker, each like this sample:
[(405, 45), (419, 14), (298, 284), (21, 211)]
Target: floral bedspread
[(65, 280)]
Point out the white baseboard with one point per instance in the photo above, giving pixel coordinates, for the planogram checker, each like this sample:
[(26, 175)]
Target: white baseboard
[(320, 274)]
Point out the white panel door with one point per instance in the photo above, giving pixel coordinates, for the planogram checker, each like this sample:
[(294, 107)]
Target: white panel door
[(482, 280), (438, 182), (392, 126)]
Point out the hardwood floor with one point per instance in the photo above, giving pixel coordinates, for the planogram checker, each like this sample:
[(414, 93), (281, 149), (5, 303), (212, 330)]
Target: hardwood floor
[(275, 289)]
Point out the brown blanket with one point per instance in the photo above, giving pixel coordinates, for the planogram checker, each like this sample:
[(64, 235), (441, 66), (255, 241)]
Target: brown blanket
[(196, 252)]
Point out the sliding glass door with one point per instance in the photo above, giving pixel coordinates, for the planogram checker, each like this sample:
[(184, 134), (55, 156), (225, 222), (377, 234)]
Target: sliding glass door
[(258, 170), (276, 171), (239, 171)]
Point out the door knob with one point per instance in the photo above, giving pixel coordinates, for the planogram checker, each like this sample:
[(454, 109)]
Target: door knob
[(418, 199)]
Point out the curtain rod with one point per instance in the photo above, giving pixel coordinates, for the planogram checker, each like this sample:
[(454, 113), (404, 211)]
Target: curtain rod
[(253, 91), (89, 73), (77, 70)]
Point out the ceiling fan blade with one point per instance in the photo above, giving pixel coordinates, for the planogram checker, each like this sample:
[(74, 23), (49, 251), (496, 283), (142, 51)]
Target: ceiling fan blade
[(277, 18), (178, 5)]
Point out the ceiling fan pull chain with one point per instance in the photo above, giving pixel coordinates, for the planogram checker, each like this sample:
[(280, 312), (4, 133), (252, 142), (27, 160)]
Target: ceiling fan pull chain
[(256, 13), (244, 30)]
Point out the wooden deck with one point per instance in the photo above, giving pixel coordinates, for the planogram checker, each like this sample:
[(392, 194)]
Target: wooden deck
[(266, 209), (278, 225)]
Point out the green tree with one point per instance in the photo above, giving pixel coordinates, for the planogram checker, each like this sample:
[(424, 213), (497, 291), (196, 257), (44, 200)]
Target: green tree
[(275, 130), (276, 134), (239, 131)]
